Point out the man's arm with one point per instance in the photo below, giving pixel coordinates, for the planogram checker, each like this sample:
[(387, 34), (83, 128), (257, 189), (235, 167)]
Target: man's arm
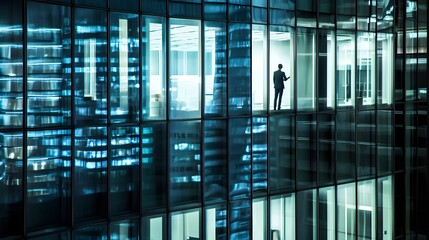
[(284, 77)]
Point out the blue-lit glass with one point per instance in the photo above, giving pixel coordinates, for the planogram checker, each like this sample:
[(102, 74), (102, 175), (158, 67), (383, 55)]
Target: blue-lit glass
[(154, 6), (154, 227), (185, 162), (97, 232), (240, 220), (215, 69), (153, 47), (239, 80), (239, 157), (215, 9), (11, 83), (259, 155), (259, 11), (90, 175), (124, 67), (126, 229), (306, 214), (216, 222), (124, 169), (345, 146), (49, 65), (185, 8), (366, 140), (154, 166), (215, 161), (11, 183), (282, 152), (90, 57), (131, 5), (306, 153), (282, 12), (48, 178)]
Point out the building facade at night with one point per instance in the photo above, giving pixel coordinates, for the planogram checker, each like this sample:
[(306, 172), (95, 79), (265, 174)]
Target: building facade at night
[(155, 120)]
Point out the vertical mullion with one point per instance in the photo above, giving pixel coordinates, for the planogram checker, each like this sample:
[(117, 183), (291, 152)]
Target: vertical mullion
[(24, 117), (109, 128), (73, 121)]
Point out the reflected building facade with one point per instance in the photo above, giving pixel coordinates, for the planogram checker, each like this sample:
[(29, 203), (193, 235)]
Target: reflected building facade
[(154, 119)]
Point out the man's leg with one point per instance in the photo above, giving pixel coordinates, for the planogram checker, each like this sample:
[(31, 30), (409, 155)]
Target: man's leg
[(280, 98), (276, 94)]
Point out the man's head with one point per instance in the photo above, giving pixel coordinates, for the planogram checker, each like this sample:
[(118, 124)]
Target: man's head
[(280, 66)]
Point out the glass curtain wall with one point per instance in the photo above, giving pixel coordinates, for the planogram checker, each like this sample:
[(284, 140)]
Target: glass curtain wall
[(306, 69), (259, 68)]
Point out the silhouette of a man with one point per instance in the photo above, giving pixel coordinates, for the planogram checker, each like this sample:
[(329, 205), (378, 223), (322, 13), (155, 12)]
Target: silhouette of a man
[(278, 78)]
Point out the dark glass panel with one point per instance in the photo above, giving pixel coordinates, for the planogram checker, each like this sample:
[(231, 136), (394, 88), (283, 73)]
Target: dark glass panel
[(306, 154), (326, 149), (346, 14), (130, 5), (124, 67), (185, 162), (366, 15), (90, 176), (215, 160), (345, 148), (259, 14), (282, 152), (48, 178), (283, 4), (185, 8), (306, 13), (385, 142), (95, 3), (154, 6), (215, 10), (282, 17), (306, 214), (153, 227), (127, 229), (90, 58), (97, 232), (326, 69), (240, 220), (48, 69), (326, 13), (154, 166), (56, 236), (239, 158), (259, 156), (365, 135)]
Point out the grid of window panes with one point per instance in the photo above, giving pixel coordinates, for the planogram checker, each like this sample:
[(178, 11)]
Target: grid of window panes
[(140, 120)]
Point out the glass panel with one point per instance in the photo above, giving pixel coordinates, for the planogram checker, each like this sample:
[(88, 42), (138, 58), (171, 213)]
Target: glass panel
[(48, 178), (90, 188), (90, 53), (215, 9), (281, 57), (326, 149), (346, 148), (185, 8), (282, 152), (240, 220), (366, 210), (365, 89), (124, 67), (326, 69), (327, 213), (259, 219), (326, 14), (386, 68), (385, 141), (282, 12), (157, 7), (346, 16), (259, 69), (216, 223), (153, 227), (48, 69), (127, 229), (185, 69), (131, 5), (422, 63), (11, 183), (259, 156), (365, 136), (11, 97), (154, 166), (282, 217), (185, 165), (385, 14), (306, 155), (185, 225), (306, 215), (240, 13), (259, 11), (385, 215), (153, 68), (124, 169), (366, 13), (215, 160), (239, 69), (56, 236), (346, 210), (345, 69), (306, 69), (98, 232), (239, 157), (98, 3), (215, 69), (306, 13)]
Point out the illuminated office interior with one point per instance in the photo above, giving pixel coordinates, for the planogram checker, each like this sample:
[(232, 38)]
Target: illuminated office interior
[(155, 120)]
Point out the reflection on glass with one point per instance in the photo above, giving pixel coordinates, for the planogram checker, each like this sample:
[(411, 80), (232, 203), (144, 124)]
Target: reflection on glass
[(90, 173), (365, 89), (281, 52), (239, 157), (215, 160), (365, 136), (385, 69), (185, 69), (48, 178), (306, 13), (282, 12), (128, 229), (385, 13), (185, 225), (366, 210), (216, 223), (239, 82), (345, 69), (385, 208), (10, 183), (346, 210), (327, 213), (306, 154), (306, 214), (384, 141), (259, 219), (366, 15), (97, 232), (11, 96), (124, 67), (259, 155), (326, 16), (326, 149), (153, 227), (48, 67), (306, 69), (153, 162), (90, 52), (346, 16), (345, 145), (124, 169), (259, 11), (282, 217), (153, 68), (326, 69), (215, 68), (239, 220), (185, 162), (259, 68)]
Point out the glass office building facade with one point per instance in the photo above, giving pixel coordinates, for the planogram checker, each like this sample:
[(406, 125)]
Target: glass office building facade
[(155, 120)]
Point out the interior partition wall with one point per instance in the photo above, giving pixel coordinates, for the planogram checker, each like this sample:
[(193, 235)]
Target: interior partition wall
[(155, 119)]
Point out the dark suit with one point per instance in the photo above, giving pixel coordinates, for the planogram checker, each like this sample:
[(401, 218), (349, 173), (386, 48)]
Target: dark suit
[(278, 78)]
